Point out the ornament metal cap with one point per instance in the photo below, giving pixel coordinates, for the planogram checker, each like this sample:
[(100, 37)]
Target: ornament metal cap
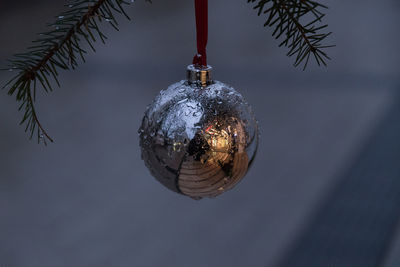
[(199, 76)]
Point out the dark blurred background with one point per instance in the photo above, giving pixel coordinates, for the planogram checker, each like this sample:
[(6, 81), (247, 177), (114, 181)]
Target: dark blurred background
[(325, 187)]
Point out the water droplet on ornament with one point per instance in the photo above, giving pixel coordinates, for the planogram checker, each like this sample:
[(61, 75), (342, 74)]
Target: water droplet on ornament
[(183, 101)]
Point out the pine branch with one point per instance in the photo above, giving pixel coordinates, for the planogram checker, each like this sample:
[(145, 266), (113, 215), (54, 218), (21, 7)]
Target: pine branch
[(58, 48), (302, 39)]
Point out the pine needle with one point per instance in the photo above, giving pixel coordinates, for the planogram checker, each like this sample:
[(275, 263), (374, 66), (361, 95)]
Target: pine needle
[(302, 39)]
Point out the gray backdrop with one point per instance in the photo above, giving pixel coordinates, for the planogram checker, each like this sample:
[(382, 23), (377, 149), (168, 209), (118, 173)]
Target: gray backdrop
[(88, 200)]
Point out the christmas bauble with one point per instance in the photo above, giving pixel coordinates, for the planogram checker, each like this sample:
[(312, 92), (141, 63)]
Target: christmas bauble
[(199, 137)]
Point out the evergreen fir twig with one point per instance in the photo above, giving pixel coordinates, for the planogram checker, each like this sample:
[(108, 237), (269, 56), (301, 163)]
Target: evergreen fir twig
[(302, 39), (58, 48)]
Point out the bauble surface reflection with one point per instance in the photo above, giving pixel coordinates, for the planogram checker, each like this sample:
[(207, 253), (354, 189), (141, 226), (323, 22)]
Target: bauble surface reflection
[(199, 140)]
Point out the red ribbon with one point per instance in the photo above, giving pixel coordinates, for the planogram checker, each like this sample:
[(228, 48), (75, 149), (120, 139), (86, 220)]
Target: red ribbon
[(201, 6)]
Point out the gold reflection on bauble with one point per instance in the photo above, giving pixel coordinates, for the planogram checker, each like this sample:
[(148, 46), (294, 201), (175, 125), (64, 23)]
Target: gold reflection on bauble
[(216, 159)]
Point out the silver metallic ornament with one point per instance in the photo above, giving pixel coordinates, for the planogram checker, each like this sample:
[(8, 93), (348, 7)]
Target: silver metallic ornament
[(199, 137)]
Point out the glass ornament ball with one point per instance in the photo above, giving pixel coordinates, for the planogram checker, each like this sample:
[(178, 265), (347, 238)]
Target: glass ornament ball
[(199, 137)]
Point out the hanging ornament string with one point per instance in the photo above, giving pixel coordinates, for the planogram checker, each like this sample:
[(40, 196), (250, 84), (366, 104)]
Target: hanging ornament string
[(201, 6)]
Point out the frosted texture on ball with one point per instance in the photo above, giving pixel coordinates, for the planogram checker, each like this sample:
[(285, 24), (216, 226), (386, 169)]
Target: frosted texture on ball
[(198, 141)]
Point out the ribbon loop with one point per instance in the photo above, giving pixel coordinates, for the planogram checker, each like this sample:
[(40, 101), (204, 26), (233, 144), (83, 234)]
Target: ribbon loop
[(201, 7)]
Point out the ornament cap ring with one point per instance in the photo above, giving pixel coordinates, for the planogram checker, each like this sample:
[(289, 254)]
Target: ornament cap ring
[(200, 76)]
